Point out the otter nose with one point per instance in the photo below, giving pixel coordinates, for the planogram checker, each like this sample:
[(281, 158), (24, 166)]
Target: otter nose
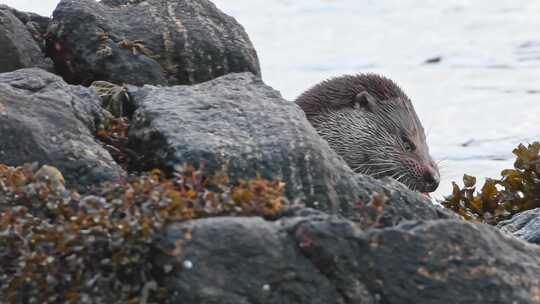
[(431, 179)]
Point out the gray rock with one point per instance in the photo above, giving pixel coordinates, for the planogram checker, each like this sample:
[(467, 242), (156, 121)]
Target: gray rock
[(524, 225), (18, 46), (42, 119), (401, 204), (35, 24), (42, 22), (238, 125), (189, 41), (326, 259)]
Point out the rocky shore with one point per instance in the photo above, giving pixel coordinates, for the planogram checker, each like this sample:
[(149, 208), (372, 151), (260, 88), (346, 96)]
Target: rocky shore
[(106, 91)]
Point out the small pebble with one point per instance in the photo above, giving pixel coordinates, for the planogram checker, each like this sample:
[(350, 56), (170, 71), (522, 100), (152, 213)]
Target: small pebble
[(266, 287), (432, 60)]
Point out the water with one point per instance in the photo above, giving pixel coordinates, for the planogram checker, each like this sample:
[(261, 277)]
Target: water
[(477, 104)]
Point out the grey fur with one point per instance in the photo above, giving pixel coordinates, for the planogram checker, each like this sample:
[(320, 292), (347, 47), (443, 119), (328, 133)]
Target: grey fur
[(371, 123)]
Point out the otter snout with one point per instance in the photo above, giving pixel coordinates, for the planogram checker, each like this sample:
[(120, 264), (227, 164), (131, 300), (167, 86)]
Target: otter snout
[(431, 178)]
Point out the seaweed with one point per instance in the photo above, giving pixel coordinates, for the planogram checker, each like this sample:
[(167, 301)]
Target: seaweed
[(57, 246), (112, 134), (517, 190)]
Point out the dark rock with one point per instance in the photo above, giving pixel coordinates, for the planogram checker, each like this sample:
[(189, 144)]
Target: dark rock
[(120, 2), (19, 48), (267, 266), (183, 42), (42, 119), (36, 25), (524, 225), (433, 60), (238, 125), (326, 259), (40, 23), (528, 51)]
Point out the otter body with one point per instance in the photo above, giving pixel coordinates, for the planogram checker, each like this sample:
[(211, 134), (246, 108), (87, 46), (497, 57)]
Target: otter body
[(371, 123)]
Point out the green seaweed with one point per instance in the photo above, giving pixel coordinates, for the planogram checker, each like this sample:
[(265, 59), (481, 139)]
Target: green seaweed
[(517, 190)]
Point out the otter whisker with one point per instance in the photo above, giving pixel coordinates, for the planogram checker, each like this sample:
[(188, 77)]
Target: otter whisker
[(360, 170), (369, 121), (379, 165), (379, 173), (399, 177), (409, 182), (442, 161)]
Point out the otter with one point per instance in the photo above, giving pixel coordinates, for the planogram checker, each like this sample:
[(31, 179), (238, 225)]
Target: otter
[(372, 125)]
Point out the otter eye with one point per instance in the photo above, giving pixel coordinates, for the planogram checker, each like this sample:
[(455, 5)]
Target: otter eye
[(408, 146)]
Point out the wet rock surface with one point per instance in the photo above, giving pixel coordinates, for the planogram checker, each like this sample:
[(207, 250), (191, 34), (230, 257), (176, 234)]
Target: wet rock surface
[(316, 258), (42, 119), (147, 42), (20, 40), (525, 225)]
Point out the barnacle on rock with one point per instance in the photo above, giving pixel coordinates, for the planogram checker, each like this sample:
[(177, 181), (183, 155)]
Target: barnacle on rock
[(102, 36), (103, 50), (371, 214), (517, 190), (136, 46), (62, 247)]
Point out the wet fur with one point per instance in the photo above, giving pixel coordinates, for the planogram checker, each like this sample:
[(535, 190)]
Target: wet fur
[(372, 140)]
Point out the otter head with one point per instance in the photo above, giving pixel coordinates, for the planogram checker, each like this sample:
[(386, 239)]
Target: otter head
[(371, 123)]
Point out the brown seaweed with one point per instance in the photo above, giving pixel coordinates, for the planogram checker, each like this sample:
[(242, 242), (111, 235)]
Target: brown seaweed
[(517, 190), (57, 246)]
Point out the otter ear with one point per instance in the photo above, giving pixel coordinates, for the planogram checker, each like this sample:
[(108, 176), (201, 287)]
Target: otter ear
[(364, 100)]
